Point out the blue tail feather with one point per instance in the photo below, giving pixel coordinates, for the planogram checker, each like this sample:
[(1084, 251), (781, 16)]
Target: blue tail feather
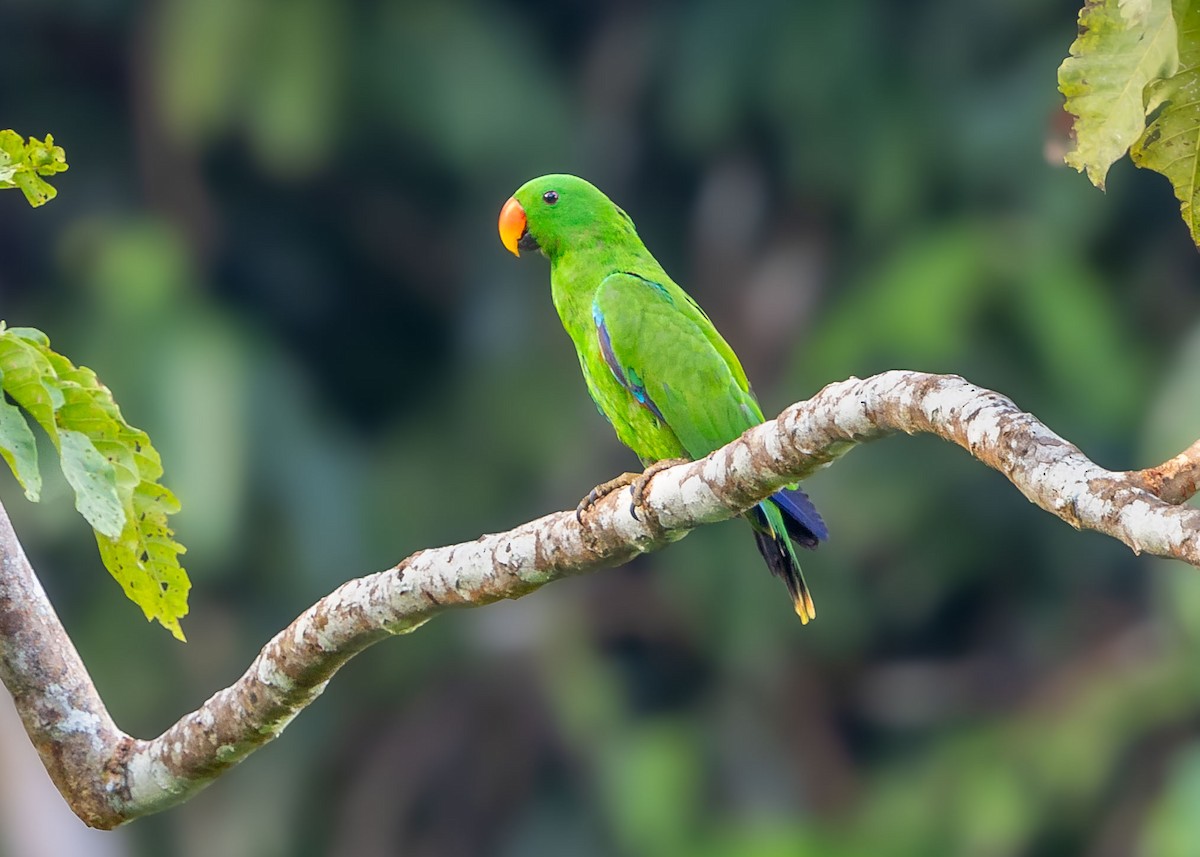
[(803, 521)]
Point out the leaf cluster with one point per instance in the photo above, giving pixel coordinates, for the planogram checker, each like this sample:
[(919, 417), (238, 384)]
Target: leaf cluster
[(24, 163), (111, 466), (1132, 82)]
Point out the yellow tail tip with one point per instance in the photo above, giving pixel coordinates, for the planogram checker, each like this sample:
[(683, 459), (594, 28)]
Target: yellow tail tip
[(805, 609)]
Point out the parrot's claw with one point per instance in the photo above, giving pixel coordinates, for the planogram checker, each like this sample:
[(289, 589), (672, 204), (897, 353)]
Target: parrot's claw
[(603, 490), (643, 479), (638, 481)]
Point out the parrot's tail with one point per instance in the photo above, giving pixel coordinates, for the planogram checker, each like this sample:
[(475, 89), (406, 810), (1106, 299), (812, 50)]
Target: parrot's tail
[(800, 516), (786, 517)]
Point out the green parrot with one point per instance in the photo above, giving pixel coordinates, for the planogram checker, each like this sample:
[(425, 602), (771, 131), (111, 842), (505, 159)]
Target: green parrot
[(655, 365)]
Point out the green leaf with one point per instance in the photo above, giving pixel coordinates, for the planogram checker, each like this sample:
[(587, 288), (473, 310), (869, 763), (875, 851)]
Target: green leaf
[(24, 371), (18, 448), (1122, 46), (1135, 12), (1171, 143), (112, 467), (22, 164), (144, 558), (95, 483)]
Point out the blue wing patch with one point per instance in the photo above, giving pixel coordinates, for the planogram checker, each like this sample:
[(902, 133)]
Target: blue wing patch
[(627, 377)]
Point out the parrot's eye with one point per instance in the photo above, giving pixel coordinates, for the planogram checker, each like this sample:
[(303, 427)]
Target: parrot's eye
[(550, 197)]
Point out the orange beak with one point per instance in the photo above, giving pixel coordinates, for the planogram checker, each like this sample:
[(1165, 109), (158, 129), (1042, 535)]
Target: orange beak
[(512, 225)]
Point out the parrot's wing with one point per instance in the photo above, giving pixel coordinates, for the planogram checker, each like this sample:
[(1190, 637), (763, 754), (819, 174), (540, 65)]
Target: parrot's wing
[(663, 350)]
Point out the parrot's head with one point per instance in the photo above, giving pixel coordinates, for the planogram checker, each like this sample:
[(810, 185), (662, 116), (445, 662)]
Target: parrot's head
[(554, 212)]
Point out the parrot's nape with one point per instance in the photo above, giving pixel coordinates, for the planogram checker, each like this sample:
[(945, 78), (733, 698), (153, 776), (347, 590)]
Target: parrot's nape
[(654, 364)]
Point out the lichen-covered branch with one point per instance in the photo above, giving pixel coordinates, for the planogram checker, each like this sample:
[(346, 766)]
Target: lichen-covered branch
[(1175, 480), (109, 777)]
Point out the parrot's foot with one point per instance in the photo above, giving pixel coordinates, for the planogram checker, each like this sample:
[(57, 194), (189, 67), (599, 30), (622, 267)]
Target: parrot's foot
[(603, 490), (643, 479), (639, 481)]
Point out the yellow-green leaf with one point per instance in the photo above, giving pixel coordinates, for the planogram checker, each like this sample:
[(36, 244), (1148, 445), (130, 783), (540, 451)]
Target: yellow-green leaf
[(144, 559), (24, 371), (95, 483), (1120, 49), (22, 164), (1171, 143), (1135, 11), (18, 448), (37, 190), (111, 465)]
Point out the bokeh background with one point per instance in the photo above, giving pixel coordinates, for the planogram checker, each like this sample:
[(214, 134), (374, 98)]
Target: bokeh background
[(276, 243)]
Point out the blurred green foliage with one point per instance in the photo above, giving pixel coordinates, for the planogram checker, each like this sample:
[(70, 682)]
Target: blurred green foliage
[(277, 244)]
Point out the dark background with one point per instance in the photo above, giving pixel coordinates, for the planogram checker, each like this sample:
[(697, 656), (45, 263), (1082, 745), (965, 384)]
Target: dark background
[(276, 243)]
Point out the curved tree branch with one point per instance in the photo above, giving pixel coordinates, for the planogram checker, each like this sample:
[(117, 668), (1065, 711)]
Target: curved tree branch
[(1175, 480), (109, 777)]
